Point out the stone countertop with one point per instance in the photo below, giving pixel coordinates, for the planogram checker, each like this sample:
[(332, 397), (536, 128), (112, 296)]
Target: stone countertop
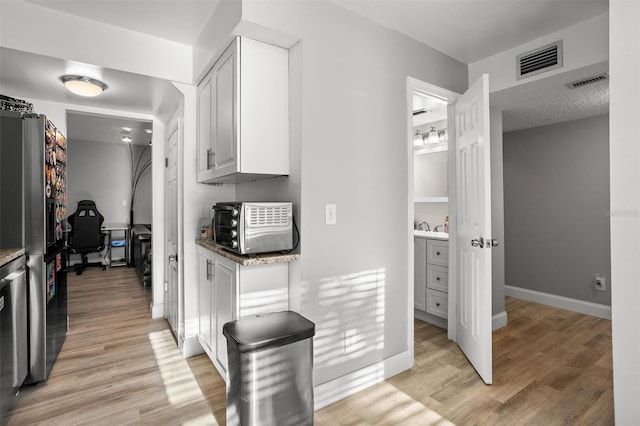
[(244, 260), (7, 255), (431, 235)]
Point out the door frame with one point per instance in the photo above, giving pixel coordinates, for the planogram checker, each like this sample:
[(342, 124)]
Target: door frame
[(428, 89), (175, 124)]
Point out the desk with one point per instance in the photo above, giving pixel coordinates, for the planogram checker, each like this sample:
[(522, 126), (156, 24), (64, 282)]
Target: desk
[(109, 229)]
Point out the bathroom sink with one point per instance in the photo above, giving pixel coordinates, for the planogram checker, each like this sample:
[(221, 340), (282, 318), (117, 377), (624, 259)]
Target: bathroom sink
[(431, 234)]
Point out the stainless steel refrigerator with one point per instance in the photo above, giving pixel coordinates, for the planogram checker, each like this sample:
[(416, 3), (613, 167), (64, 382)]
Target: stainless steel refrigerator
[(44, 190)]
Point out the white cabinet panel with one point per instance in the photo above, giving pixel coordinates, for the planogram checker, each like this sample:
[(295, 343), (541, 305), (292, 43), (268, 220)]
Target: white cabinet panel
[(246, 114), (419, 273), (437, 303), (438, 252), (438, 278), (225, 284)]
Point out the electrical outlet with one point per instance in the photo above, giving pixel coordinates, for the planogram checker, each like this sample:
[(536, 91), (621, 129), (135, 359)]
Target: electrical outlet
[(600, 283)]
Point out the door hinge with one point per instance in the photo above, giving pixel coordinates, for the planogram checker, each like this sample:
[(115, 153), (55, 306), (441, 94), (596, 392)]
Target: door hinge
[(166, 162)]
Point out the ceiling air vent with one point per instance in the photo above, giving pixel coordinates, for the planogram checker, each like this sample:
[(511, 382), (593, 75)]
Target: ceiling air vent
[(588, 80), (543, 59), (420, 111)]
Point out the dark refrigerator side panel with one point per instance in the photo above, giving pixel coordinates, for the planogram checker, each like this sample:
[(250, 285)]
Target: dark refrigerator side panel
[(11, 191), (34, 184), (47, 312)]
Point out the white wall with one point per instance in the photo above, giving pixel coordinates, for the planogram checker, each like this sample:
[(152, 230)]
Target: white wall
[(624, 134), (583, 44), (101, 171), (353, 152)]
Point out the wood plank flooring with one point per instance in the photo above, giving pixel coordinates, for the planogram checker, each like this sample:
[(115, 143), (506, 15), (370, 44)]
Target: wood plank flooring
[(119, 367)]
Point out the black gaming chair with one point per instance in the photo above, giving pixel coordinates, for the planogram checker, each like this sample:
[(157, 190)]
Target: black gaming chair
[(86, 235)]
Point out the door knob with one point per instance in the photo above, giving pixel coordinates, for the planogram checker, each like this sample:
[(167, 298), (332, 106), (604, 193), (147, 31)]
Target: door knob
[(494, 242), (478, 243), (173, 257)]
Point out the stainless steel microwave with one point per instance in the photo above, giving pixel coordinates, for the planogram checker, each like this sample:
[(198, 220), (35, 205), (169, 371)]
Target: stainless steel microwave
[(253, 227)]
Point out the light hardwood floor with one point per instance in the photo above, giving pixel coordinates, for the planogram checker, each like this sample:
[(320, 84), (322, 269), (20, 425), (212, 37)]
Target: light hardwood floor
[(119, 367)]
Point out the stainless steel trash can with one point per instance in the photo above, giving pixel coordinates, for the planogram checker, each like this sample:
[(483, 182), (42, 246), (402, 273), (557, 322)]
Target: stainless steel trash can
[(270, 365)]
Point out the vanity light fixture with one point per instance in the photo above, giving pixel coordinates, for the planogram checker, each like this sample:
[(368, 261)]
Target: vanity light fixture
[(432, 136), (149, 131), (418, 138), (83, 86), (127, 139), (126, 129)]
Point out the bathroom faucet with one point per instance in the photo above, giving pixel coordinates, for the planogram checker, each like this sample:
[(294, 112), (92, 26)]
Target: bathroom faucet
[(427, 226), (436, 228)]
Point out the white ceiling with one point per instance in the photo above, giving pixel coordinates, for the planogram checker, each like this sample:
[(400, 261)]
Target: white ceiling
[(83, 126), (470, 30), (550, 100), (177, 20), (464, 29)]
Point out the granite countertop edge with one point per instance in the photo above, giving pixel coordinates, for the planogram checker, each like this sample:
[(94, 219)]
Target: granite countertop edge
[(259, 259), (8, 255)]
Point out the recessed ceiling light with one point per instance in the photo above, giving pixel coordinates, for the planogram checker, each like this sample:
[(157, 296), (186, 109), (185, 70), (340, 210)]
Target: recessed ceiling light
[(126, 129), (126, 139), (148, 131), (82, 85)]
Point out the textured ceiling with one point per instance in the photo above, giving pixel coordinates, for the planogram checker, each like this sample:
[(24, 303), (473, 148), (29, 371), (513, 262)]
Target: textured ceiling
[(550, 100)]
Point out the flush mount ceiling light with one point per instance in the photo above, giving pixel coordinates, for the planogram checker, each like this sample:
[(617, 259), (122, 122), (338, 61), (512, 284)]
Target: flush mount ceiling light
[(82, 85), (126, 139)]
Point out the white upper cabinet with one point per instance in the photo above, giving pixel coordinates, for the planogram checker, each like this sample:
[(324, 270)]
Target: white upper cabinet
[(243, 114)]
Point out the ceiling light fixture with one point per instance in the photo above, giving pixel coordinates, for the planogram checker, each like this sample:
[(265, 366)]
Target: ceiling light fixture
[(83, 86), (127, 139)]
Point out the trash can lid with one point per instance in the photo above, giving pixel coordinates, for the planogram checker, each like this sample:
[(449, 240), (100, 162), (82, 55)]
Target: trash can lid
[(268, 330)]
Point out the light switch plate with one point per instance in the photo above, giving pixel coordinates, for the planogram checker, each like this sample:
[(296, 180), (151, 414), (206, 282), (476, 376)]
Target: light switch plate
[(330, 214)]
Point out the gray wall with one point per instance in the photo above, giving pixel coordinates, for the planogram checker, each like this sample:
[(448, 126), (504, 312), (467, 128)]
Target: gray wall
[(556, 190), (101, 172), (497, 213), (353, 144)]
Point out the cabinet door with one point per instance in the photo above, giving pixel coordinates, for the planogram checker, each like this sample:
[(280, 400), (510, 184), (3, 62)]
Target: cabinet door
[(419, 272), (226, 112), (205, 282), (204, 159), (225, 285)]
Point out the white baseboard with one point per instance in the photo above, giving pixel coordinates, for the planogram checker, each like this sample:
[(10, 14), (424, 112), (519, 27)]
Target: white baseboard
[(342, 387), (157, 310), (191, 347), (499, 320), (575, 305)]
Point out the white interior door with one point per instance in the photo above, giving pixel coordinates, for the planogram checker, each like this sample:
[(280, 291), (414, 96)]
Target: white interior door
[(171, 291), (473, 224)]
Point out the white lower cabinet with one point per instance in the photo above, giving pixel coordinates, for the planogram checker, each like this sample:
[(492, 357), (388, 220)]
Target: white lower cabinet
[(227, 291), (431, 276)]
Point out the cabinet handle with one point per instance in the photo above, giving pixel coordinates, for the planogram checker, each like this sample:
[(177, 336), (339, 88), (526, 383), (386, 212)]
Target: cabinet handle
[(437, 253), (208, 159), (438, 305), (208, 270), (437, 278)]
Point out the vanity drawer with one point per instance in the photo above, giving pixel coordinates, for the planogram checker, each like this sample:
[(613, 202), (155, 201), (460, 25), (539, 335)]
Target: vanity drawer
[(437, 303), (437, 252), (438, 278)]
